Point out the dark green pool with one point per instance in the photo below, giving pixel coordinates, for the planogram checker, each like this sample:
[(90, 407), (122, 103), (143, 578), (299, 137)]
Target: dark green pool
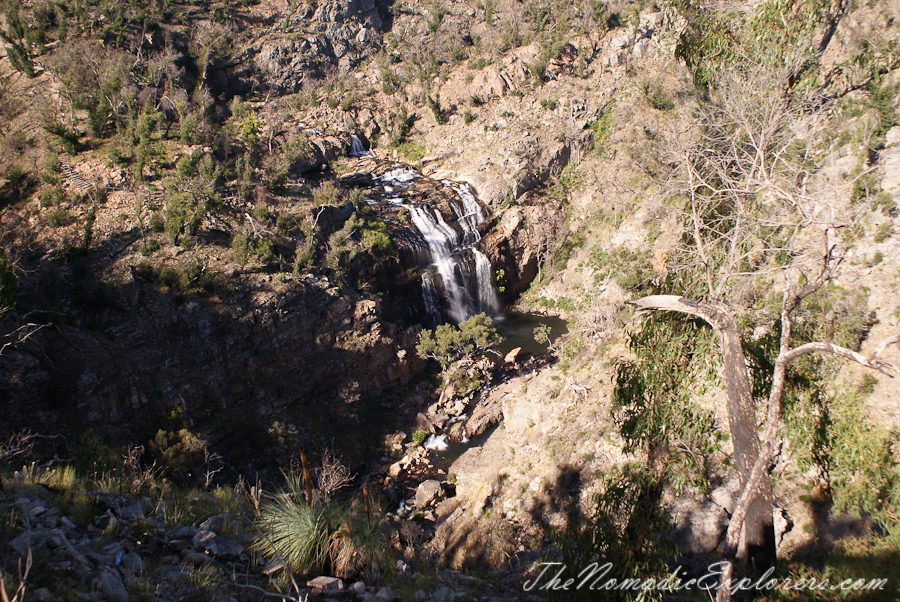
[(517, 330)]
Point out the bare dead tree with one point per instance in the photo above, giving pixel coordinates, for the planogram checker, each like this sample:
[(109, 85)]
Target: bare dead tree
[(752, 190), (755, 495), (333, 474)]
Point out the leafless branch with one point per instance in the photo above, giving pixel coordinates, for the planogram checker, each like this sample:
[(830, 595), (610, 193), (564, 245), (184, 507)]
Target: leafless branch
[(333, 474), (20, 335), (19, 595)]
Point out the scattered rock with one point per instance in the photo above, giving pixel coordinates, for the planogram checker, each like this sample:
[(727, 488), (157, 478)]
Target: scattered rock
[(43, 595), (213, 524), (446, 508), (358, 588), (445, 594), (110, 583), (217, 545)]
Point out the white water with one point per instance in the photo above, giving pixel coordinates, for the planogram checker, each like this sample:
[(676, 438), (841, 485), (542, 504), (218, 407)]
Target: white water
[(441, 240), (356, 147), (430, 296), (436, 442), (464, 271), (400, 175)]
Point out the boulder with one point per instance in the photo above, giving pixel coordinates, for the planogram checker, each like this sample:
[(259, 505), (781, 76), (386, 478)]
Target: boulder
[(213, 524), (445, 594), (385, 595), (427, 493), (110, 583), (484, 416), (327, 584), (512, 355)]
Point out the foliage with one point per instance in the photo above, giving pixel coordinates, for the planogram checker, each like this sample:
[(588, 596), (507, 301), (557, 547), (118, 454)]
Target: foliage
[(435, 105), (653, 396), (193, 197), (17, 39), (448, 343), (656, 96), (616, 532), (602, 128), (323, 535), (341, 247), (180, 451), (631, 269)]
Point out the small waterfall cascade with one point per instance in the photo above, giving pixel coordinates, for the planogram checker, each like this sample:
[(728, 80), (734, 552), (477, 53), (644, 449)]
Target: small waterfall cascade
[(356, 147), (456, 276)]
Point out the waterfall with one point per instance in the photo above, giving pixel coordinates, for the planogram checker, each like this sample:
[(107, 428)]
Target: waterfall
[(430, 297), (356, 147), (441, 240), (457, 268)]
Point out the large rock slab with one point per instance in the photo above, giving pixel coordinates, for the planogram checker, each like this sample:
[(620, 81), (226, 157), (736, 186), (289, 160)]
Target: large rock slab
[(428, 493)]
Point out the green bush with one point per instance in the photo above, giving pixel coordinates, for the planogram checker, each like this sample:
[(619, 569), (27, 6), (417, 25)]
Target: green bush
[(435, 105), (57, 218), (240, 248), (631, 269), (656, 96), (322, 536), (602, 128), (261, 212), (173, 278)]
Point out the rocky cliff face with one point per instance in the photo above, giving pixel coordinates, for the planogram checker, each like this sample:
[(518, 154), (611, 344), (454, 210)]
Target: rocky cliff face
[(306, 356)]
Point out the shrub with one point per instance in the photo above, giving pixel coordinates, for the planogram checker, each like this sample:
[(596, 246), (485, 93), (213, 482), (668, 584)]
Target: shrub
[(173, 279), (435, 105), (261, 212), (631, 269), (323, 535), (303, 255), (468, 117), (656, 96), (240, 248), (57, 218), (602, 128), (412, 152), (538, 70)]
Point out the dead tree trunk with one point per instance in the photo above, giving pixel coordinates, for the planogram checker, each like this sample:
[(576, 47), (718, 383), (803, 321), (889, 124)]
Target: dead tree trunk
[(759, 533)]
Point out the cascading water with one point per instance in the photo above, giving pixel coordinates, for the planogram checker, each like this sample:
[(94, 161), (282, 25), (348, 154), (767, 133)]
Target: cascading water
[(430, 297), (462, 270), (356, 147)]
